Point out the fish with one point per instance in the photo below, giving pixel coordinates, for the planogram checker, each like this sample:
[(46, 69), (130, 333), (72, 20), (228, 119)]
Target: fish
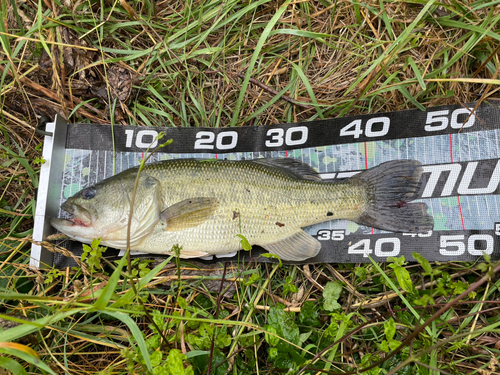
[(204, 206)]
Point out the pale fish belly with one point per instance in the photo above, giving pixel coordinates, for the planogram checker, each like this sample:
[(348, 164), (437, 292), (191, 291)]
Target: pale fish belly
[(218, 235)]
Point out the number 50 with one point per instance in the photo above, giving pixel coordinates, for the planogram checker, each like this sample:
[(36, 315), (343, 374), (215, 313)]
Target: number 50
[(441, 118)]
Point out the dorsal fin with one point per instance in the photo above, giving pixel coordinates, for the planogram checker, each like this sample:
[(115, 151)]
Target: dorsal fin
[(294, 167)]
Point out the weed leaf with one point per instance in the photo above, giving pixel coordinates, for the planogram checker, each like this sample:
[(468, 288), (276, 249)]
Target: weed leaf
[(331, 294)]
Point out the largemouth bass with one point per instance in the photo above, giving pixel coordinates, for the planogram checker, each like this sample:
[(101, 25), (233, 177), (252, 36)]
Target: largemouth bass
[(203, 206)]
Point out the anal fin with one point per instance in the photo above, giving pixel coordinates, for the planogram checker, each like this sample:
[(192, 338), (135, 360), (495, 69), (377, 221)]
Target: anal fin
[(296, 247)]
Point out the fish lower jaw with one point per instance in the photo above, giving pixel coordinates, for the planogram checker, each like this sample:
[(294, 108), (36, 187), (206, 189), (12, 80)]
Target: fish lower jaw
[(76, 229), (79, 222)]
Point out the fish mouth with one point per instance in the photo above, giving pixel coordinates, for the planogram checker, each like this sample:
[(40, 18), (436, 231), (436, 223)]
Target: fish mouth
[(80, 216)]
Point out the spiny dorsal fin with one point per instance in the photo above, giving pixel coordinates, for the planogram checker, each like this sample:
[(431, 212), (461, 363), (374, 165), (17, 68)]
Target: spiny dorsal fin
[(296, 247), (189, 213), (294, 167)]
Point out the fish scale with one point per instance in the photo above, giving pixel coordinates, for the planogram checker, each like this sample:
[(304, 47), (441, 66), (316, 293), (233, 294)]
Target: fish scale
[(204, 205), (256, 201)]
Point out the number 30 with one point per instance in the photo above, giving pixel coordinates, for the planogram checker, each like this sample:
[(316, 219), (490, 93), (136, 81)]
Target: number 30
[(277, 138)]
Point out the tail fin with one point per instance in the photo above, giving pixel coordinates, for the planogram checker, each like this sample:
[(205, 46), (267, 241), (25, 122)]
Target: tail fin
[(391, 186)]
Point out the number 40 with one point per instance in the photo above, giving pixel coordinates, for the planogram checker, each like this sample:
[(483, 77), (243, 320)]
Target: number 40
[(362, 247), (355, 128)]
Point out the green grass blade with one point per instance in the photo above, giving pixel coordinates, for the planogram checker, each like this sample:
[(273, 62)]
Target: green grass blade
[(142, 283), (109, 289), (136, 334), (12, 366), (395, 46), (32, 326), (28, 358), (301, 33), (477, 29), (386, 20), (309, 89), (414, 67), (268, 104), (253, 60), (400, 295)]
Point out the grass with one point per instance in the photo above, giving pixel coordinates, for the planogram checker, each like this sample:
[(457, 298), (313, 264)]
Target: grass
[(222, 64)]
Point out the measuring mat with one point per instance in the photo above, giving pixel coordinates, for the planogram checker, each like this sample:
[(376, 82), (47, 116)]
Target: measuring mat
[(458, 146)]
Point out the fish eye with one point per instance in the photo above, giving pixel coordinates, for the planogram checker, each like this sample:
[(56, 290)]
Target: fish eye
[(88, 193)]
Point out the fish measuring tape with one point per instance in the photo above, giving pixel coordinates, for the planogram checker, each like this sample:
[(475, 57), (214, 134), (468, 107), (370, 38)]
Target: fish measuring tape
[(459, 148)]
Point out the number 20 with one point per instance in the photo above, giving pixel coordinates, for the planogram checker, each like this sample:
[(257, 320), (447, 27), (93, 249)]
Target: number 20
[(205, 140)]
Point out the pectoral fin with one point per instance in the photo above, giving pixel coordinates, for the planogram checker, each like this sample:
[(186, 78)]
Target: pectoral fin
[(188, 213), (297, 247)]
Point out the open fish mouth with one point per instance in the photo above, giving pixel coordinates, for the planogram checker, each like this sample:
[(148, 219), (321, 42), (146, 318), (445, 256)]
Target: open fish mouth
[(79, 216), (77, 222)]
